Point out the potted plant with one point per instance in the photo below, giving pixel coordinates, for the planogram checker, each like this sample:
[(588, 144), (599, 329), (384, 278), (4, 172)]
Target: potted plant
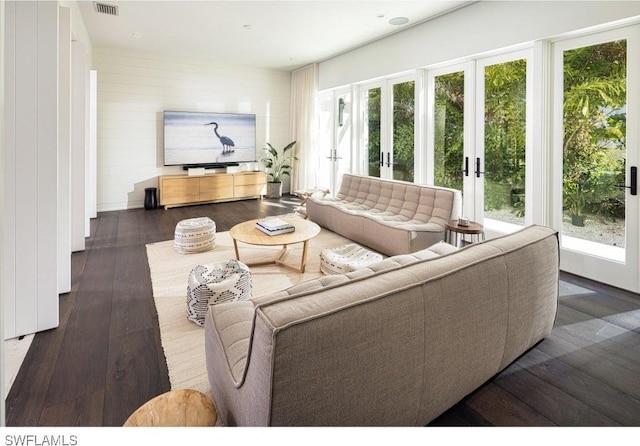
[(575, 201), (279, 165)]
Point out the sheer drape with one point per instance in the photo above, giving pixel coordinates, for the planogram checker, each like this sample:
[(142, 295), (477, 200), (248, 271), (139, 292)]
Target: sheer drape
[(304, 88)]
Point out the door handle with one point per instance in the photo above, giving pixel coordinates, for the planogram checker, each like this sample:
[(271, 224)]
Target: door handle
[(477, 172), (381, 159), (388, 159), (466, 166), (634, 181)]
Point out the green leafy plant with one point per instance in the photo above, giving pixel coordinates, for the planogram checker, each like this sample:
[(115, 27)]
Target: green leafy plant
[(279, 164)]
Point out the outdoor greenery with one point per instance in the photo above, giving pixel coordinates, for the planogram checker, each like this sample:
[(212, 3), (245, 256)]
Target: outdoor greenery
[(403, 131), (373, 130), (594, 127)]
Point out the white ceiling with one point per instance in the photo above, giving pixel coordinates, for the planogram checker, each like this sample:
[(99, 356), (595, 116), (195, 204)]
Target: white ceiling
[(267, 34)]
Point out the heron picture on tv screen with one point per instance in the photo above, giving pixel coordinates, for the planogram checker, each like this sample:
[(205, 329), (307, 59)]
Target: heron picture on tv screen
[(201, 138)]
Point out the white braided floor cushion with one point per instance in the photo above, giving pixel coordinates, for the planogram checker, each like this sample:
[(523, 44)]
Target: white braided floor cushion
[(216, 283), (347, 258), (195, 235)]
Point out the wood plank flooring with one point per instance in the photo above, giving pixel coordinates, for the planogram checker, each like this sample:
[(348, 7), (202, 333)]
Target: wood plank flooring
[(105, 359)]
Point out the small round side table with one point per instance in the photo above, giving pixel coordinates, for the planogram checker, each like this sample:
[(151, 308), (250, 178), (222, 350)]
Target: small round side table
[(453, 231)]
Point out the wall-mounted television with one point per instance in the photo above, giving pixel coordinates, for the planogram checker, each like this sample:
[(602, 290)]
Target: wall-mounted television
[(208, 139)]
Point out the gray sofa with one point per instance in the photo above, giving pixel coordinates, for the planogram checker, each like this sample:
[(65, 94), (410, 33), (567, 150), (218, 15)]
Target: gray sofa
[(395, 344), (391, 217)]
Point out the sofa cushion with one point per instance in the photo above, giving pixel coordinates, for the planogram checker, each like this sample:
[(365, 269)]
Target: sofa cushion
[(388, 216), (389, 263), (394, 346)]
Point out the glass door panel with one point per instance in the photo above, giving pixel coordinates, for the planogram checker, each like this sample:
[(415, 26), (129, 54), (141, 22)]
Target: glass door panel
[(402, 162), (594, 148), (372, 101), (341, 157), (448, 130), (505, 129), (325, 139), (477, 138), (596, 77), (334, 138)]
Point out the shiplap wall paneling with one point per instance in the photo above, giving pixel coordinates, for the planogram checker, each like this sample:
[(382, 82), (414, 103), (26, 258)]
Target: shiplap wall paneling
[(92, 188), (64, 152), (2, 210), (29, 245), (78, 146), (133, 91), (8, 245)]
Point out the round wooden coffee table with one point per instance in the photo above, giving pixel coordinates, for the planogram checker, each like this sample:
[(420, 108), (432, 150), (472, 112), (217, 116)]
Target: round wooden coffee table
[(248, 233)]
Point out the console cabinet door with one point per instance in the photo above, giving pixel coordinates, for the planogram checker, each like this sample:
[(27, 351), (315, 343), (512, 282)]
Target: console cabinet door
[(179, 190), (249, 184), (216, 187)]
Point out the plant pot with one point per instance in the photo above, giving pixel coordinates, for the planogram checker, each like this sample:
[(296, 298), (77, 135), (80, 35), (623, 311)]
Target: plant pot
[(577, 220), (274, 190)]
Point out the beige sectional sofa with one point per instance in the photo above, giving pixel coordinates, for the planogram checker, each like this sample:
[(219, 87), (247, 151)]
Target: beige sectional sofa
[(395, 344), (389, 216)]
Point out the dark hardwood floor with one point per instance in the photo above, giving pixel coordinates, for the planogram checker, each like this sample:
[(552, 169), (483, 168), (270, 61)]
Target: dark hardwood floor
[(105, 358)]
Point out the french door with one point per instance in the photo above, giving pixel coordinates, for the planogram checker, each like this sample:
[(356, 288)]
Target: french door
[(388, 116), (596, 100), (478, 116), (335, 137)]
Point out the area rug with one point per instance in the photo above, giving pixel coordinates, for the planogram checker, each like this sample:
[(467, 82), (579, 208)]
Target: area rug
[(182, 340)]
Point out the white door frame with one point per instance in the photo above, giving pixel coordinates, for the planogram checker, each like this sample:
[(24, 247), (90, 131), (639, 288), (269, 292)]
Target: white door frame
[(493, 226), (623, 272), (473, 186)]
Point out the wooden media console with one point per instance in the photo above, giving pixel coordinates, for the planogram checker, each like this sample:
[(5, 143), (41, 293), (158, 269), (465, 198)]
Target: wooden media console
[(182, 190)]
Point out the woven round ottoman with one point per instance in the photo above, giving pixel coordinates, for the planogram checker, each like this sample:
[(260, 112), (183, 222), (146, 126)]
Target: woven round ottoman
[(216, 283), (347, 258), (195, 235)]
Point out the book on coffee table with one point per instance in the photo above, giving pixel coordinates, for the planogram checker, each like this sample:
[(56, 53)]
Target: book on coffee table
[(274, 226)]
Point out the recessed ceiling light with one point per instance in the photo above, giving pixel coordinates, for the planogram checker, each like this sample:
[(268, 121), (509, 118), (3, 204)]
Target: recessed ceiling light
[(246, 26), (380, 16), (137, 35), (399, 21)]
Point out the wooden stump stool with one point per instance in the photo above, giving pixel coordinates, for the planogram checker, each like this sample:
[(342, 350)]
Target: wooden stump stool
[(175, 408)]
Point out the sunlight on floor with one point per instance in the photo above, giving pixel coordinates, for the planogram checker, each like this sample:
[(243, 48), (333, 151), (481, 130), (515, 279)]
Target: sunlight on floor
[(14, 352)]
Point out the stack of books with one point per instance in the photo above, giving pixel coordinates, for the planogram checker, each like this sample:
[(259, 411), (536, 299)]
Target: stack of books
[(274, 226)]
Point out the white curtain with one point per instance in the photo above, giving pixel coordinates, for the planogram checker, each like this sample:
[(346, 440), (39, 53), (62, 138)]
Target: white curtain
[(304, 92)]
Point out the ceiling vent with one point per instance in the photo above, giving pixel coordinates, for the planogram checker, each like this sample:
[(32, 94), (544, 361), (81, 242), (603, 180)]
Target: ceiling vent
[(103, 8)]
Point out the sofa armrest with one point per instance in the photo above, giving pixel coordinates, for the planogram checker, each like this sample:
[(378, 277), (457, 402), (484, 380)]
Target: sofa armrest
[(231, 324)]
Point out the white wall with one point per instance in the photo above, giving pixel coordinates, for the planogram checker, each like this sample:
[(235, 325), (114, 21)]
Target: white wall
[(2, 355), (473, 30), (133, 91), (64, 151), (79, 148)]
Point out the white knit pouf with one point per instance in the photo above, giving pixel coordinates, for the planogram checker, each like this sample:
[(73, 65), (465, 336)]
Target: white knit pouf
[(216, 283), (195, 235), (347, 258)]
